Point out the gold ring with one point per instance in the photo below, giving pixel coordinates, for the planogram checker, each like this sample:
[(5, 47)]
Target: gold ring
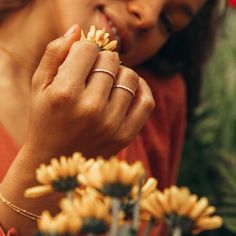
[(106, 72), (125, 88)]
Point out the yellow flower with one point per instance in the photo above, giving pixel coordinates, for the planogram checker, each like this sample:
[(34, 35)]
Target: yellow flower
[(112, 177), (129, 205), (149, 187), (178, 204), (100, 37), (60, 175), (88, 191), (207, 223), (92, 209), (61, 224)]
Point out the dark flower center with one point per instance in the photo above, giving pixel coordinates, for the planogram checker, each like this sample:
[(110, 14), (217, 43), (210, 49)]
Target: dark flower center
[(94, 226), (116, 190), (183, 222), (65, 184)]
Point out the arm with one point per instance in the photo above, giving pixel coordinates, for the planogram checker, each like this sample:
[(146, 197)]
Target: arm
[(73, 110)]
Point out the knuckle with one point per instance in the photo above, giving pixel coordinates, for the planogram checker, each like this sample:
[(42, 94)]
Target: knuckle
[(124, 139), (109, 128), (148, 103), (90, 109), (110, 57), (60, 97), (84, 46), (147, 99), (52, 47), (131, 76)]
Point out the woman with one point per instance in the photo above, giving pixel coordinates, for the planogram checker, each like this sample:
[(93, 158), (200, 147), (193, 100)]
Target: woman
[(54, 99)]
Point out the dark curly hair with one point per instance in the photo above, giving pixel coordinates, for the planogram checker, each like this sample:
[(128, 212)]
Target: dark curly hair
[(7, 6), (186, 52)]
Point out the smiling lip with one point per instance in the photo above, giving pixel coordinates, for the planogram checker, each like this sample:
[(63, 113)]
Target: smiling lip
[(122, 32)]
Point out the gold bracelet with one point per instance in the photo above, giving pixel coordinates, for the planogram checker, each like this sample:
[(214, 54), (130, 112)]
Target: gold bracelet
[(19, 210)]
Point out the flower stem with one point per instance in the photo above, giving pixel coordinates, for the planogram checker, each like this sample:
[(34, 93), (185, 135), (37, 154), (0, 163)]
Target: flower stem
[(115, 215), (148, 228), (177, 231), (136, 212), (69, 195)]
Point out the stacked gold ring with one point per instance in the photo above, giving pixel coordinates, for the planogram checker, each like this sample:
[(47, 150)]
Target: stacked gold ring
[(106, 72), (125, 88)]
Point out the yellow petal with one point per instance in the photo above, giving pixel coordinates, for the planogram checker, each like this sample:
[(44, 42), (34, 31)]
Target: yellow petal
[(38, 191), (52, 174), (72, 167), (100, 34), (43, 224), (136, 172), (174, 198), (149, 187), (154, 209), (92, 31), (198, 208), (95, 177), (61, 222), (86, 166), (105, 39), (67, 205), (91, 36), (74, 225), (111, 46), (124, 175), (208, 223), (163, 201), (110, 172), (63, 171), (42, 175), (55, 163), (187, 207), (184, 195), (82, 37), (208, 211)]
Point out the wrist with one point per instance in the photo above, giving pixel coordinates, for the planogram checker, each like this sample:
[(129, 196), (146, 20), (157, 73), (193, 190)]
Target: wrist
[(21, 176)]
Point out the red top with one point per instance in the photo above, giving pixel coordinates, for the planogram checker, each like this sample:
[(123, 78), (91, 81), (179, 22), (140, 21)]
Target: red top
[(232, 3), (159, 144)]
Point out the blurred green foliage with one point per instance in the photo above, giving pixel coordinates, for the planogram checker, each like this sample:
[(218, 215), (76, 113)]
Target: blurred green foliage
[(209, 159)]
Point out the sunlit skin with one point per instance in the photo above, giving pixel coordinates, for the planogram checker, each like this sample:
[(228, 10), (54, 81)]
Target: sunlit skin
[(145, 27), (59, 109), (141, 23)]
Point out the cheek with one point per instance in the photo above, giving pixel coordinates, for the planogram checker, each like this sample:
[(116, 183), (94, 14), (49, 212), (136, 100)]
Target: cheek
[(150, 47), (72, 12)]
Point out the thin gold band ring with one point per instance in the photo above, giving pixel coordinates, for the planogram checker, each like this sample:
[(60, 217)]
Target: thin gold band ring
[(106, 72), (125, 88)]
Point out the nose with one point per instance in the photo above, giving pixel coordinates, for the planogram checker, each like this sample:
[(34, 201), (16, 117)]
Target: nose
[(144, 13)]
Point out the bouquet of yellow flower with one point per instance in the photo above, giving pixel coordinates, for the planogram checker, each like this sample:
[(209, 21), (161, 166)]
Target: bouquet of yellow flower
[(112, 197)]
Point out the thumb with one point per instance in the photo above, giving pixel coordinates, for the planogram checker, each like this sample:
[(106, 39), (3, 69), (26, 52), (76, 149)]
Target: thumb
[(54, 56)]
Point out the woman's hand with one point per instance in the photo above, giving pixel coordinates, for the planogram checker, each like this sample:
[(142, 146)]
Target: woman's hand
[(74, 109)]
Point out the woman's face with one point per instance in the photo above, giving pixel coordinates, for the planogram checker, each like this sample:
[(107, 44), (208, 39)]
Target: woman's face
[(141, 27)]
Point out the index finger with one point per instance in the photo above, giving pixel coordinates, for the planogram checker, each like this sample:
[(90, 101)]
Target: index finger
[(74, 71), (53, 57)]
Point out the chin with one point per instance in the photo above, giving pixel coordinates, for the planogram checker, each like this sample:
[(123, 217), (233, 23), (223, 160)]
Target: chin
[(130, 61)]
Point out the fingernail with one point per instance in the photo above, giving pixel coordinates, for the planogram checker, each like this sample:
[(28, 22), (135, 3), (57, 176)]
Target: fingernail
[(70, 31)]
